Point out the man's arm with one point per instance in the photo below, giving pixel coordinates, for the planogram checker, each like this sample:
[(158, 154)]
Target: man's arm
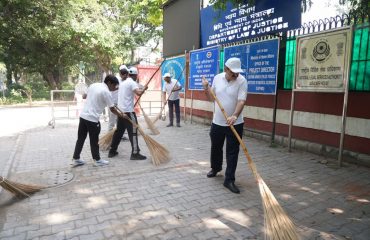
[(238, 109), (116, 112), (140, 91), (207, 88), (164, 99)]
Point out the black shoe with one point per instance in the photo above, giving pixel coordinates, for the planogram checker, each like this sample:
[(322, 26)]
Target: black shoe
[(231, 186), (137, 156), (112, 154), (170, 125), (178, 125), (212, 173), (124, 138)]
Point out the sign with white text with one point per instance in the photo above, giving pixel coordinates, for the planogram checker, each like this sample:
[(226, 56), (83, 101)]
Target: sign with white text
[(260, 64), (238, 23), (203, 62)]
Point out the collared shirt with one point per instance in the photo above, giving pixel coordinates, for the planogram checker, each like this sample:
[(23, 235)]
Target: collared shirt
[(167, 87), (98, 97), (126, 95), (229, 93)]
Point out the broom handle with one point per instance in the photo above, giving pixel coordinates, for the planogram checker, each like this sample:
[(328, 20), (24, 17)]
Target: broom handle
[(149, 81), (132, 122), (251, 163)]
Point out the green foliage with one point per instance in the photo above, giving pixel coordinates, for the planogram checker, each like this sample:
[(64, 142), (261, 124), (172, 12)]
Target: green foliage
[(50, 37)]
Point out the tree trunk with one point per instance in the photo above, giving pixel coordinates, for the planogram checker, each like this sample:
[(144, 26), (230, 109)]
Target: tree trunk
[(53, 79)]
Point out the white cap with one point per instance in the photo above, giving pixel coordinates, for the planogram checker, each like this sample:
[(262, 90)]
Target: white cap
[(234, 65), (132, 70), (166, 75), (122, 67)]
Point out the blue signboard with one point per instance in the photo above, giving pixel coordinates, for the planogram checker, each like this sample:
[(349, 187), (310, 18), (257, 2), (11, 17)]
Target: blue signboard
[(260, 64), (245, 21), (176, 67), (203, 62)]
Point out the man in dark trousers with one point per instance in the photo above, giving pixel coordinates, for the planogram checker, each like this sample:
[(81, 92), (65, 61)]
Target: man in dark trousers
[(97, 98), (230, 87), (172, 87), (126, 97)]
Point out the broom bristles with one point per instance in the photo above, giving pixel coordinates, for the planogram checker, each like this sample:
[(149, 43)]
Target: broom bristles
[(278, 224), (106, 140), (158, 152), (19, 189), (149, 123)]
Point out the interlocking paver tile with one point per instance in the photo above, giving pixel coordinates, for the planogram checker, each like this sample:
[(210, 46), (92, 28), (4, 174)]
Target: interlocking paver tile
[(136, 200)]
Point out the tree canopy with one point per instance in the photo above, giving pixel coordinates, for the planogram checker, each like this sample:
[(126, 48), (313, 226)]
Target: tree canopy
[(49, 37)]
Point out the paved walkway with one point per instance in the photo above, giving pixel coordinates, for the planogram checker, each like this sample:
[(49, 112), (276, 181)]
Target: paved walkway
[(136, 200)]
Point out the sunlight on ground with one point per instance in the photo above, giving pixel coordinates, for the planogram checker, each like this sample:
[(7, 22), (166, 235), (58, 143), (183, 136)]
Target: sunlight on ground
[(234, 216), (151, 214), (309, 190), (335, 210), (95, 202), (285, 196), (362, 200), (83, 191), (213, 223), (193, 171), (57, 218)]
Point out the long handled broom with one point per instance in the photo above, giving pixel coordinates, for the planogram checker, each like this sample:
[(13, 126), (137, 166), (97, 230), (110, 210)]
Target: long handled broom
[(106, 140), (158, 152), (159, 116), (149, 122), (19, 189), (278, 224)]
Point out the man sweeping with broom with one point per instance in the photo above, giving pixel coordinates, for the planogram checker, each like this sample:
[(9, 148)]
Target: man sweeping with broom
[(230, 88), (98, 97), (126, 94)]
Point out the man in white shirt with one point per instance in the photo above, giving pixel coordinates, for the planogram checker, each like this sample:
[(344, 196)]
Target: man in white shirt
[(123, 72), (126, 97), (230, 87), (98, 97), (172, 87)]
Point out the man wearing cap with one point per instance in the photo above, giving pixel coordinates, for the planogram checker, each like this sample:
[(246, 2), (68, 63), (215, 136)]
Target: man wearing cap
[(126, 94), (172, 87), (123, 72), (98, 97), (230, 87)]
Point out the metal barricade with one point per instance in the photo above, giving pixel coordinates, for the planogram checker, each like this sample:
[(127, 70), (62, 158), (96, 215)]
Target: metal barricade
[(65, 104)]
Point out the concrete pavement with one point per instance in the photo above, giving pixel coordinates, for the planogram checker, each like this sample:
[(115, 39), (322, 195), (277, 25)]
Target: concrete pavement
[(136, 200)]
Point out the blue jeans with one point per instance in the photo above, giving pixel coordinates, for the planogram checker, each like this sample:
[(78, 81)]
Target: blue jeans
[(218, 134)]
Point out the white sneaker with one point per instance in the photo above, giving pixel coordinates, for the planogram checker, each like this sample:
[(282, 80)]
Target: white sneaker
[(100, 162), (78, 162)]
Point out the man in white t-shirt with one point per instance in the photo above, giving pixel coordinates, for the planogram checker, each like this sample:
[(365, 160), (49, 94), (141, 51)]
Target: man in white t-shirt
[(172, 87), (123, 73), (97, 98), (126, 97), (230, 87)]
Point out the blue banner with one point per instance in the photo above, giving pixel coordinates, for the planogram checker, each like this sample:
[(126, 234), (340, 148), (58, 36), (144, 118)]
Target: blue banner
[(239, 23), (203, 62), (175, 67), (260, 64)]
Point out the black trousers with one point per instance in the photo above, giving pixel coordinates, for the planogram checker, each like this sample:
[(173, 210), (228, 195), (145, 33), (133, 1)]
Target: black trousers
[(171, 104), (122, 125), (218, 135), (85, 127)]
